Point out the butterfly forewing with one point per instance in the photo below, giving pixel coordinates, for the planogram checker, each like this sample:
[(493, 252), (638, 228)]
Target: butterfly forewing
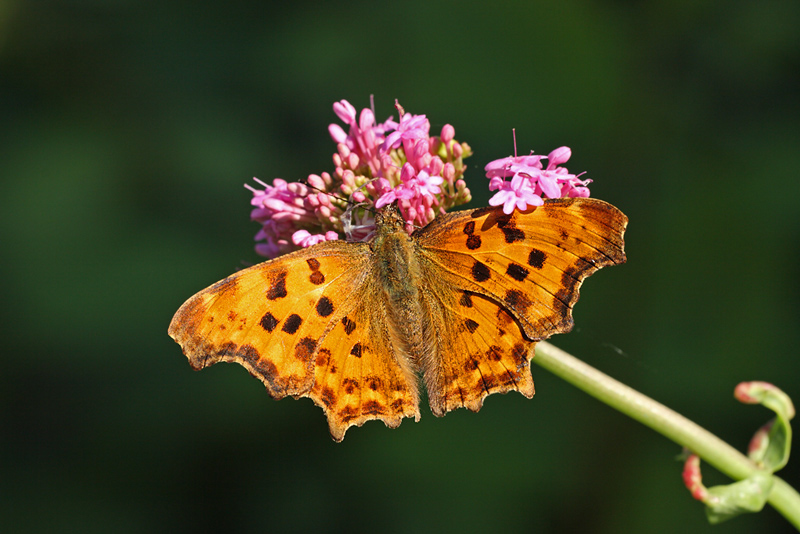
[(531, 263)]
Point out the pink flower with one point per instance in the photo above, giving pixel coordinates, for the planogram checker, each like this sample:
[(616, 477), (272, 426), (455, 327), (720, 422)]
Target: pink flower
[(367, 174), (516, 193), (550, 182), (559, 181), (279, 201), (410, 128), (412, 132), (502, 167)]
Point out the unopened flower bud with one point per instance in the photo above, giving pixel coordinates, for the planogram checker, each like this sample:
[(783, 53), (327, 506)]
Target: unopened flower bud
[(448, 133), (337, 133), (436, 166), (316, 182), (429, 215), (449, 173), (457, 150), (352, 161), (366, 120), (425, 160), (421, 148), (345, 111), (559, 156)]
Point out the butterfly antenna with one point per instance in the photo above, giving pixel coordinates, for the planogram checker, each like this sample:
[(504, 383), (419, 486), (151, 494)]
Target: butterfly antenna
[(333, 195)]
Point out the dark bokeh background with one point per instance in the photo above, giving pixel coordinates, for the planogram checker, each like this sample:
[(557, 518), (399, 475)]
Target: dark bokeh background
[(128, 128)]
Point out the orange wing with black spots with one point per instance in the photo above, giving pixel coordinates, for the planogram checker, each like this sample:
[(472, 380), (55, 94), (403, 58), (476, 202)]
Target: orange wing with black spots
[(519, 276), (482, 351), (533, 262), (305, 324)]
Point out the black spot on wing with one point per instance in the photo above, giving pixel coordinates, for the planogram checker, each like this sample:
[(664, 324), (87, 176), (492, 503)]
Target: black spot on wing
[(349, 325), (292, 323), (509, 229), (517, 272), (277, 288), (536, 258), (268, 322), (480, 272), (324, 307), (473, 242)]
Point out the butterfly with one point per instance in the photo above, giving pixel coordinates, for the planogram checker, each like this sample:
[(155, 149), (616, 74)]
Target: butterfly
[(461, 301)]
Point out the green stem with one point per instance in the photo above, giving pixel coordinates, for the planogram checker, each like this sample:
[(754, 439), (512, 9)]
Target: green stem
[(676, 427)]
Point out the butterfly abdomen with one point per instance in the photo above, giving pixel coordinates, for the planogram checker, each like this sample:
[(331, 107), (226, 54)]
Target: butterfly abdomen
[(399, 273)]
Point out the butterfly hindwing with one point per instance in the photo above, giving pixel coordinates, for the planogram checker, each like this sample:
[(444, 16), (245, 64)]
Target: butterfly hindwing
[(481, 351), (359, 374)]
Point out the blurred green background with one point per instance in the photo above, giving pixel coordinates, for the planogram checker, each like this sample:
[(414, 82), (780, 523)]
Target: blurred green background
[(128, 129)]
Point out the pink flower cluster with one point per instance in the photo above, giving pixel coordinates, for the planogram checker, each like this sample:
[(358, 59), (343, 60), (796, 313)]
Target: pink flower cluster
[(530, 180), (375, 164)]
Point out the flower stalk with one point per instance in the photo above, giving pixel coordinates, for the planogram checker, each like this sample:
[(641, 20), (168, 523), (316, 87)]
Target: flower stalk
[(783, 497)]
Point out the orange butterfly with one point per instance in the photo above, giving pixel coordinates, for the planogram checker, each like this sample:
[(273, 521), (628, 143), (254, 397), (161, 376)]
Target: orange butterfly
[(463, 300)]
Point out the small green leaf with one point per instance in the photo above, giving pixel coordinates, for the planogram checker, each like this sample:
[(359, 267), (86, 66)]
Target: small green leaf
[(771, 445), (748, 495)]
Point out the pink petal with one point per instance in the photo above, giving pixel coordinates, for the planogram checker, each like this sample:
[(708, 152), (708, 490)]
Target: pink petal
[(549, 186)]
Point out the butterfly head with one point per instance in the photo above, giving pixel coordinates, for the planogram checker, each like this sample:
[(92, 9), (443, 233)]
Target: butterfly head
[(389, 219)]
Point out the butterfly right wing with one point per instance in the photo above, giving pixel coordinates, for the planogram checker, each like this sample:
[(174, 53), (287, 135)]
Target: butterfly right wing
[(519, 276)]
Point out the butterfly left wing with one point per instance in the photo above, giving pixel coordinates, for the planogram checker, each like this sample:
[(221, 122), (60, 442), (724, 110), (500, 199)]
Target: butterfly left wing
[(522, 273), (309, 324)]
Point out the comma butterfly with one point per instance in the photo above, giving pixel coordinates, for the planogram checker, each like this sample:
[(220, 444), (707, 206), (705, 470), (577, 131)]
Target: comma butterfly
[(462, 300)]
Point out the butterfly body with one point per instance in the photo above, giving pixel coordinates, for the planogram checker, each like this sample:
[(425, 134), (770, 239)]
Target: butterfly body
[(461, 301)]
